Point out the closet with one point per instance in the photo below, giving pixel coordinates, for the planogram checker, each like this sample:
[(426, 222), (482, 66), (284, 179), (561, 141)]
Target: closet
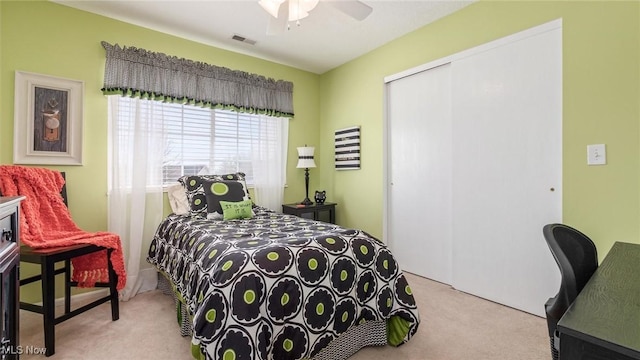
[(473, 167)]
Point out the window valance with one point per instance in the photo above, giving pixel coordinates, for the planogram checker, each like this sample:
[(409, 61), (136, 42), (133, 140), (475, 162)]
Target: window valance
[(130, 71)]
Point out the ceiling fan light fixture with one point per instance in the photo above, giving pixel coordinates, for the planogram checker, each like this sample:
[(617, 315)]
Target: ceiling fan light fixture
[(271, 6), (299, 9)]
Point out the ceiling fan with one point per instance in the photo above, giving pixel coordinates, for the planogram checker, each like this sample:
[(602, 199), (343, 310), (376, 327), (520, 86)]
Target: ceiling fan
[(284, 12)]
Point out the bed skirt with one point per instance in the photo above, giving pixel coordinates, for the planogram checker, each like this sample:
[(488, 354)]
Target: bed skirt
[(371, 333)]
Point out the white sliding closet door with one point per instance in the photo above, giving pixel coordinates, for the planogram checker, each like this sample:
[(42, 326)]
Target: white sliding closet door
[(419, 202), (507, 170), (473, 168)]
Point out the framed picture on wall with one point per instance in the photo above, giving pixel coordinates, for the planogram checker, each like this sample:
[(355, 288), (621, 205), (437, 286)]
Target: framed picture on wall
[(48, 114), (347, 148)]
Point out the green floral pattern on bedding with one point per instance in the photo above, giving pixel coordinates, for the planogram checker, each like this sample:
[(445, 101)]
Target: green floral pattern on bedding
[(280, 287)]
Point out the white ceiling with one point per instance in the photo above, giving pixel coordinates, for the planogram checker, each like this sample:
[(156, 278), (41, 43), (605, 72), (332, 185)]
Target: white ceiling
[(327, 38)]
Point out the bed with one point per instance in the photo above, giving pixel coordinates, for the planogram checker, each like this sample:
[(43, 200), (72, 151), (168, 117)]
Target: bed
[(264, 285)]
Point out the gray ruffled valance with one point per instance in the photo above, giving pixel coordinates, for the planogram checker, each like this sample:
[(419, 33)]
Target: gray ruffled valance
[(130, 71)]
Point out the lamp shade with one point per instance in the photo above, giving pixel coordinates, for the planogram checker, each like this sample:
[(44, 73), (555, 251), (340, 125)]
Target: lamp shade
[(305, 157)]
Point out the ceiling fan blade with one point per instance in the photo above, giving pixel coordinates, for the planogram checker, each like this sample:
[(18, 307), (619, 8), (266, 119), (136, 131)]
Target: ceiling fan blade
[(277, 25), (356, 9)]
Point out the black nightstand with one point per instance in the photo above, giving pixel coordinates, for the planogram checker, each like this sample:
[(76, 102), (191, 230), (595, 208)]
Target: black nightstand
[(315, 211)]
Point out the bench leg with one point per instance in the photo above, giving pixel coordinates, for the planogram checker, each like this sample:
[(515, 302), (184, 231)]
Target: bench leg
[(113, 291), (48, 306)]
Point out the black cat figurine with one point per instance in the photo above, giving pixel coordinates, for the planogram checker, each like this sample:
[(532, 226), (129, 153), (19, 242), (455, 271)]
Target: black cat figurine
[(320, 197)]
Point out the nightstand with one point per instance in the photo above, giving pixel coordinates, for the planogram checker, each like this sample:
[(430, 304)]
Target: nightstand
[(324, 212)]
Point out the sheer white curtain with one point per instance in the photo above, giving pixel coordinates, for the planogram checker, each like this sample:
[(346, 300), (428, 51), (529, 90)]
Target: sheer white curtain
[(269, 160), (135, 186)]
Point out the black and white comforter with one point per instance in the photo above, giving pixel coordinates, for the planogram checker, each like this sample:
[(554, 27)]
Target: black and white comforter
[(278, 286)]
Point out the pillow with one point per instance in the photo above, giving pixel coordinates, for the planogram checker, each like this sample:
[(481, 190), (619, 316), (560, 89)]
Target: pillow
[(217, 191), (237, 210), (178, 199), (193, 187)]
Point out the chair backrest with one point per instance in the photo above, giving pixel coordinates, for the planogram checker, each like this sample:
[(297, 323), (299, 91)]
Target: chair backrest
[(577, 259), (63, 191)]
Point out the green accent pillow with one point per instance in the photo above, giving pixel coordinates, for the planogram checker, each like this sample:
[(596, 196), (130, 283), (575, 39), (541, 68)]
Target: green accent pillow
[(237, 210)]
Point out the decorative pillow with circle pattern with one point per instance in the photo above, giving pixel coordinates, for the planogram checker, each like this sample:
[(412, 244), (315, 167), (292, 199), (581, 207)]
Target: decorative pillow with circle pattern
[(193, 186), (220, 191)]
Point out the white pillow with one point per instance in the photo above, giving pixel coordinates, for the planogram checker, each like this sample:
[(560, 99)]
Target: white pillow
[(178, 199)]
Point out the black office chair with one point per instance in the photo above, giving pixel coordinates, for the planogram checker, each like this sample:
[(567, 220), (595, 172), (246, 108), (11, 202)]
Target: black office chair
[(577, 259)]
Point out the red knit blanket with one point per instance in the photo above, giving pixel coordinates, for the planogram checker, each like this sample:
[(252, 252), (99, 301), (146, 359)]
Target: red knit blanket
[(45, 222)]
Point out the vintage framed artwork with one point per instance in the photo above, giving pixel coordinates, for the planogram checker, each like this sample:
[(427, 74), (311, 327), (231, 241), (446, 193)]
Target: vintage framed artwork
[(48, 116)]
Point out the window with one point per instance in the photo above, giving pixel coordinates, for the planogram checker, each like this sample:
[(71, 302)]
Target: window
[(198, 139)]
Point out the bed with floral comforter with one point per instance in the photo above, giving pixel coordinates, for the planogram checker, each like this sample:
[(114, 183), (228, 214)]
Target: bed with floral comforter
[(281, 287)]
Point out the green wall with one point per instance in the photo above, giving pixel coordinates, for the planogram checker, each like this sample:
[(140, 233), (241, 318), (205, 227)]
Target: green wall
[(601, 58), (48, 38), (601, 95), (0, 59)]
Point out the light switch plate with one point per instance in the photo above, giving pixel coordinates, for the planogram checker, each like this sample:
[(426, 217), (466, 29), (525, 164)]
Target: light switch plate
[(596, 154)]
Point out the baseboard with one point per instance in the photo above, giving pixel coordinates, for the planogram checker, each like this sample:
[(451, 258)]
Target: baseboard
[(147, 281), (83, 298), (149, 278)]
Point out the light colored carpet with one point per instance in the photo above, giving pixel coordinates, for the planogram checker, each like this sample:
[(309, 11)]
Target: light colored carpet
[(454, 326)]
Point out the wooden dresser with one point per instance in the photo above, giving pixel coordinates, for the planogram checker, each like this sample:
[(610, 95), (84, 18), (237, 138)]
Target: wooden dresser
[(10, 278)]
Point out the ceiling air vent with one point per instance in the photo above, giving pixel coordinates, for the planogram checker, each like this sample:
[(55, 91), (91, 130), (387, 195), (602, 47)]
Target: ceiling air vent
[(243, 39)]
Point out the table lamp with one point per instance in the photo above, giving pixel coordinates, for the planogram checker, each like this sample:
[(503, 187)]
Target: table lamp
[(305, 161)]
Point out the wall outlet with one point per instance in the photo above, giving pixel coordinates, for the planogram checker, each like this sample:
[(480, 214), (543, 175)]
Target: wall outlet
[(596, 154)]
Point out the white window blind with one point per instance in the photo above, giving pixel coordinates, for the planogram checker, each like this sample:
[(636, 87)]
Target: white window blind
[(198, 139)]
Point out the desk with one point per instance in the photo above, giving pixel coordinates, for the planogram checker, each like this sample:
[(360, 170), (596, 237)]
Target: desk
[(604, 320)]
